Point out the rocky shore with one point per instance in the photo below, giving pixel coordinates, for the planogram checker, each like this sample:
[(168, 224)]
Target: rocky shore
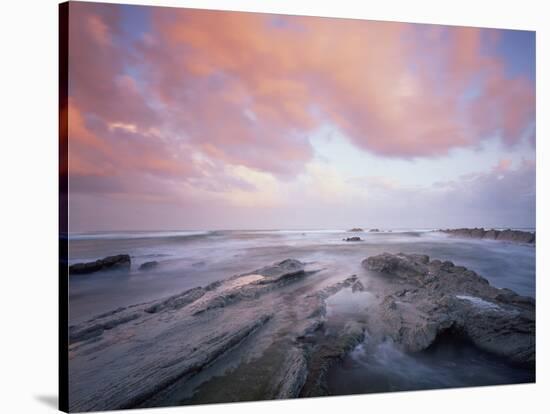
[(270, 333), (516, 236), (428, 298), (119, 262)]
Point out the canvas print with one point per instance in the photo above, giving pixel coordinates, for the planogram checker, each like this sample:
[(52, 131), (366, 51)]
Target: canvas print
[(261, 206)]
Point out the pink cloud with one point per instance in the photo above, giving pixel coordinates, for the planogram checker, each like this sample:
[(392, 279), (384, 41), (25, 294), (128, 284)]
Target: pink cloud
[(242, 90), (356, 74), (503, 165), (98, 84)]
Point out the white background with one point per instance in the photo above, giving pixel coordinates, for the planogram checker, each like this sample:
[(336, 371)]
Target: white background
[(28, 191)]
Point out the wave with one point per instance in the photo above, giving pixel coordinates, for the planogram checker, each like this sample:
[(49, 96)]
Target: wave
[(237, 234), (123, 235), (331, 231), (291, 231)]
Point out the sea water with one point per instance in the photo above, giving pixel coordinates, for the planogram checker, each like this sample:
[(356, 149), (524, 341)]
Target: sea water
[(188, 259)]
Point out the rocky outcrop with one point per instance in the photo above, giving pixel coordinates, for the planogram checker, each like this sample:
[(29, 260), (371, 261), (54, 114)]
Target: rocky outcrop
[(429, 298), (148, 265), (138, 355), (177, 337), (278, 330), (284, 270), (197, 300), (516, 236), (352, 239), (326, 349), (143, 379), (296, 363), (119, 262), (356, 230), (374, 231)]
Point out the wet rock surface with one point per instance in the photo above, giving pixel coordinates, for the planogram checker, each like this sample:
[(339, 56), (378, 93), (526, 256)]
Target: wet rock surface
[(133, 356), (119, 262), (428, 298), (148, 265), (516, 236), (277, 331)]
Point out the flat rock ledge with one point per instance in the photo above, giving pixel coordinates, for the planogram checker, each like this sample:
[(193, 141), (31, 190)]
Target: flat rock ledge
[(139, 373), (196, 300), (516, 236), (431, 297), (120, 262)]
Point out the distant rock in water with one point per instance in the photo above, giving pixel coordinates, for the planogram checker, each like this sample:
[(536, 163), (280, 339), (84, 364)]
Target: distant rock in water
[(516, 236), (374, 231), (356, 230), (352, 239), (120, 262), (431, 298), (148, 265)]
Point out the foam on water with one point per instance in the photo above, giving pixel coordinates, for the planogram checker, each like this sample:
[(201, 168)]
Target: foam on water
[(134, 235), (381, 367), (480, 303)]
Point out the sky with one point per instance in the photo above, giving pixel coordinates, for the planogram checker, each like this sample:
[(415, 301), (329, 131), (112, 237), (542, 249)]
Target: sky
[(195, 119)]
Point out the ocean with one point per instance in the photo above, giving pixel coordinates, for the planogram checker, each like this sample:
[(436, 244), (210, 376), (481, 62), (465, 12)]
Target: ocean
[(195, 258), (188, 259)]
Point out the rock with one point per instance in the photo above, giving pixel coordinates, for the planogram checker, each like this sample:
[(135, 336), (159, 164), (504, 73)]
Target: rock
[(292, 375), (491, 234), (516, 236), (98, 326), (443, 298), (120, 262), (374, 231), (178, 301), (352, 239), (337, 287), (200, 299), (356, 229), (148, 265), (398, 264), (144, 352), (327, 350), (134, 385), (276, 272)]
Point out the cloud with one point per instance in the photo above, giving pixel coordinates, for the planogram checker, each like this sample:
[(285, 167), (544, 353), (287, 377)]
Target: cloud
[(501, 196), (395, 89), (215, 110), (100, 150), (249, 92), (503, 165)]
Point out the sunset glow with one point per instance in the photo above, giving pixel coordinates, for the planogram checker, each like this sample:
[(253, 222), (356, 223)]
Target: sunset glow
[(193, 119)]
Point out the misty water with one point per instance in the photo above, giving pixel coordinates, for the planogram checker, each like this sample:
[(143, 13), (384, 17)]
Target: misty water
[(191, 259)]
